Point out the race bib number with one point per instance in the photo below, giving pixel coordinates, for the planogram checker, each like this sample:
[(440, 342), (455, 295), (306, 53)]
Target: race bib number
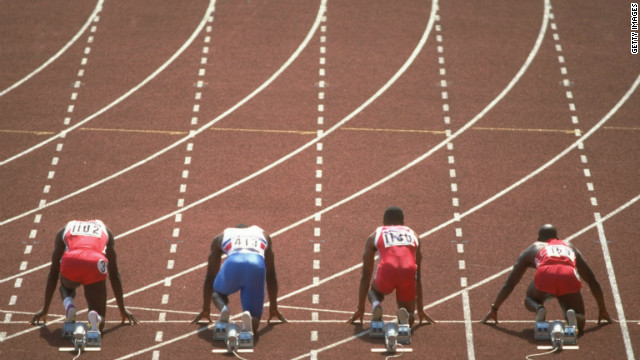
[(86, 229), (561, 251), (398, 237), (102, 266), (247, 243)]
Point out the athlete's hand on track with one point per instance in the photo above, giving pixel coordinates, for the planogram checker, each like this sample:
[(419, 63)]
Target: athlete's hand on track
[(127, 316), (424, 316), (202, 315), (604, 316), (276, 313), (40, 315), (492, 315), (358, 314)]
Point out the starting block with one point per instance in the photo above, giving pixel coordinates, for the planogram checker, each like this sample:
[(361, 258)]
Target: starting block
[(236, 340), (393, 334), (83, 338), (562, 336)]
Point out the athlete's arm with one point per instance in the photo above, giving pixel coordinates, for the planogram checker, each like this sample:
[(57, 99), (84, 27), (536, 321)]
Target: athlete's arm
[(524, 261), (52, 279), (116, 281), (420, 307), (272, 281), (213, 266), (367, 271), (585, 272)]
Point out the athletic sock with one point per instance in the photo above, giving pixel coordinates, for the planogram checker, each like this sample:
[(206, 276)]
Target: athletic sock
[(69, 308)]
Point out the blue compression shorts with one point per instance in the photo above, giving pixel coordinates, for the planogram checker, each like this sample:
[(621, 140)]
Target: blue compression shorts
[(244, 272)]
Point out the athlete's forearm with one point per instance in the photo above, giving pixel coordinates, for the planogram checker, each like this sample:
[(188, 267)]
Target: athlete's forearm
[(207, 291), (118, 293), (50, 289)]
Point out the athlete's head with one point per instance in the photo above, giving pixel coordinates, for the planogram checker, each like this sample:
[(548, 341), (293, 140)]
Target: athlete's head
[(547, 232), (242, 226), (393, 216)]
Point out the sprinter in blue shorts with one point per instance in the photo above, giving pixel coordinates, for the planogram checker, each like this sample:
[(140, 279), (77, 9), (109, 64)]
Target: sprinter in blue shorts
[(249, 262)]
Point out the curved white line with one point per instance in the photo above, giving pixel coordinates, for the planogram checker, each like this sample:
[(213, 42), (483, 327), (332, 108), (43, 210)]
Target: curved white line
[(63, 133), (264, 85), (629, 203), (95, 12)]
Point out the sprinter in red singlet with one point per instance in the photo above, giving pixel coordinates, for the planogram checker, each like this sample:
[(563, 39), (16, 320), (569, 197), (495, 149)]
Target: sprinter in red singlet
[(559, 266), (398, 269), (84, 254)]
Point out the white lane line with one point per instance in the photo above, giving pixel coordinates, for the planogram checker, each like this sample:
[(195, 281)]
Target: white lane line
[(268, 82), (455, 203), (95, 12), (622, 320), (122, 97), (409, 165)]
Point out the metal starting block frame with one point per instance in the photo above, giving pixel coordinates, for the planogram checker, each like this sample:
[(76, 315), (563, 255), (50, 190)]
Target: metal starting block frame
[(91, 340), (243, 342), (388, 331), (562, 336)]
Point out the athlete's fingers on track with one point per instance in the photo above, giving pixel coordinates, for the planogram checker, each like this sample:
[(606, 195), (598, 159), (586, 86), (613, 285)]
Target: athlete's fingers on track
[(356, 315), (40, 315)]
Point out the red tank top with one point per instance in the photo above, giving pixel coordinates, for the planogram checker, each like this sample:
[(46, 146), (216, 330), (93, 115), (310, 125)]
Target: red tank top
[(89, 235), (397, 245), (556, 252)]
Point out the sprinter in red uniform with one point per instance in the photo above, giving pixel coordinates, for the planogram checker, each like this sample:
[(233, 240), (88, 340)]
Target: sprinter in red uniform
[(559, 266), (84, 254), (398, 269)]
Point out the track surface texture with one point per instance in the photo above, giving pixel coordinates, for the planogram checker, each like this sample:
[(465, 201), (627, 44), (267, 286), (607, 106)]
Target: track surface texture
[(173, 120)]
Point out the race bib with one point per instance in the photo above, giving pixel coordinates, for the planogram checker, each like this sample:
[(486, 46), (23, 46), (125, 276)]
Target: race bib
[(561, 251), (399, 237), (86, 229)]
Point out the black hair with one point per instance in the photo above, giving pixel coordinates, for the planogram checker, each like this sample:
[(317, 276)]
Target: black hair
[(393, 216), (546, 232)]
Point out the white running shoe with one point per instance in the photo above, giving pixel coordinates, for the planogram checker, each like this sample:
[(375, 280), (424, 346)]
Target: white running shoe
[(94, 320), (376, 314), (403, 316), (246, 322), (572, 320), (71, 313), (224, 314), (541, 314)]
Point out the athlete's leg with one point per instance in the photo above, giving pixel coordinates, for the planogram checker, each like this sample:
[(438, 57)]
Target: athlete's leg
[(574, 301), (68, 293), (253, 290), (411, 308), (375, 295), (535, 298), (96, 295)]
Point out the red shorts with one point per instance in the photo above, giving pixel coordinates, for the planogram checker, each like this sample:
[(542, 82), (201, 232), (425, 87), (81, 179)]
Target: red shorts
[(557, 280), (84, 266), (403, 281)]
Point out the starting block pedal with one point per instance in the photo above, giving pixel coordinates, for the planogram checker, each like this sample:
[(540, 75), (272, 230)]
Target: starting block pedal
[(404, 334), (377, 329), (220, 330), (67, 329)]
